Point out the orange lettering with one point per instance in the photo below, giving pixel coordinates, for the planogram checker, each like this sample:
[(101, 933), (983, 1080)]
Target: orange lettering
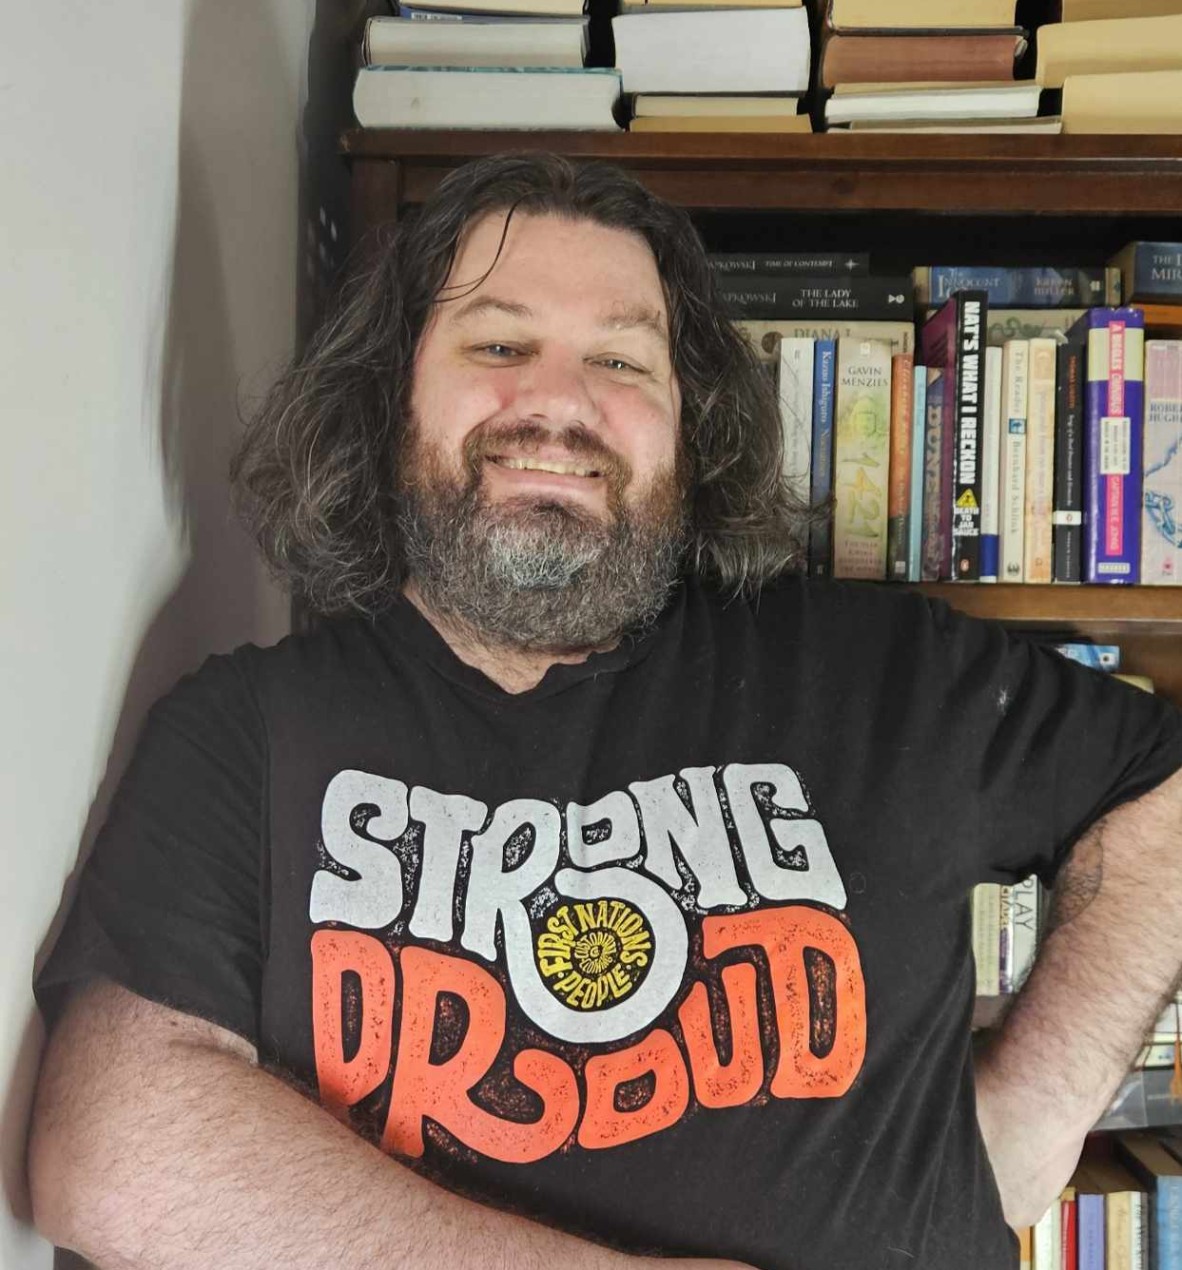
[(603, 1124), (784, 934), (334, 953), (718, 1084), (440, 1091)]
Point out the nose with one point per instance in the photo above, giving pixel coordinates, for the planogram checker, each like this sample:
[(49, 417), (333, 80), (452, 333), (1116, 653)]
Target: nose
[(554, 387)]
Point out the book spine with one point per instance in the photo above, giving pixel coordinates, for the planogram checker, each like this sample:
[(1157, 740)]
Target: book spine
[(1015, 402), (1113, 417), (987, 936), (932, 546), (1043, 1243), (1067, 516), (1161, 498), (1155, 273), (1090, 1219), (1040, 462), (1169, 1224), (1117, 1231), (1033, 288), (1068, 1241), (1139, 1231), (796, 413), (768, 297), (919, 414), (765, 333), (732, 264), (970, 402), (947, 469), (1005, 937), (899, 466), (1023, 932), (991, 468), (861, 450), (824, 380)]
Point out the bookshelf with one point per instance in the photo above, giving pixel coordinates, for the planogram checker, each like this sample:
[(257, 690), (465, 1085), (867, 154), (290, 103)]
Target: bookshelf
[(908, 200)]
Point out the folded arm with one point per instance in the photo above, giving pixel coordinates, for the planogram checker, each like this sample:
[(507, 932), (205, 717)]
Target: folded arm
[(1111, 958), (158, 1143)]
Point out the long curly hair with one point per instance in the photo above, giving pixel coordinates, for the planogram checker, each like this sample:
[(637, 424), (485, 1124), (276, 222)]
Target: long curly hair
[(314, 473)]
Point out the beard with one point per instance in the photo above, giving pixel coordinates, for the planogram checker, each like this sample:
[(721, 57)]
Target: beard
[(536, 572)]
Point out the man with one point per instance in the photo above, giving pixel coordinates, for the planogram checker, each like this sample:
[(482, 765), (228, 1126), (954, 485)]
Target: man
[(605, 874)]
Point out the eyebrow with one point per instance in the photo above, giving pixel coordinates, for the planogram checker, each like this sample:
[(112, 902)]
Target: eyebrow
[(618, 318)]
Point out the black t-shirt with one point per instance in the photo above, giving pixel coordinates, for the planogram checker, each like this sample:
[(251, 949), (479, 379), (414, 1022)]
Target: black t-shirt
[(672, 950)]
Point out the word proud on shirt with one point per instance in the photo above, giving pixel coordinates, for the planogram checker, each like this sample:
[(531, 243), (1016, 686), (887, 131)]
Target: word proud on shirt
[(576, 925)]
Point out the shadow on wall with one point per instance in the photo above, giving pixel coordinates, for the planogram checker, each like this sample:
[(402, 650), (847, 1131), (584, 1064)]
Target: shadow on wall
[(228, 312)]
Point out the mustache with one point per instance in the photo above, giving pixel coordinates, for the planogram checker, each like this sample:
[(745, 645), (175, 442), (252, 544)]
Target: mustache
[(525, 437)]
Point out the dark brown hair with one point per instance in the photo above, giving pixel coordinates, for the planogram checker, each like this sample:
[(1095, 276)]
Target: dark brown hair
[(314, 477)]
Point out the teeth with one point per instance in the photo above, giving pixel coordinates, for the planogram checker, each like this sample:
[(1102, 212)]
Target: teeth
[(538, 465)]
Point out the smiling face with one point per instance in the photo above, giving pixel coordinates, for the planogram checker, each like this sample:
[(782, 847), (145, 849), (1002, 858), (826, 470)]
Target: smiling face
[(542, 479)]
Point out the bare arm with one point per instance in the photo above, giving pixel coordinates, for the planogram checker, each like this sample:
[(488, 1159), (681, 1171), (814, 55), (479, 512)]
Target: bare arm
[(158, 1144), (1110, 960)]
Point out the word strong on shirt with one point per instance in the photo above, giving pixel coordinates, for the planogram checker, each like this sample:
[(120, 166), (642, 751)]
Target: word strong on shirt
[(583, 919)]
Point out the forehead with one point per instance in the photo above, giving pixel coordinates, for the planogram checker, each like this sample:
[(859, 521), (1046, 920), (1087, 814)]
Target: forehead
[(553, 259)]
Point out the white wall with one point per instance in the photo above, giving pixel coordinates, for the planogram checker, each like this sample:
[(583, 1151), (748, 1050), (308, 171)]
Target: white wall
[(148, 248)]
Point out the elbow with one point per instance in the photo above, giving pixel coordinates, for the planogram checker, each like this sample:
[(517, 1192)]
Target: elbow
[(49, 1176)]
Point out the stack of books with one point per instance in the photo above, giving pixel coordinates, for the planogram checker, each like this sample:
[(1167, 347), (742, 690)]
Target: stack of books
[(483, 64), (1117, 64), (930, 65), (721, 66), (1027, 430)]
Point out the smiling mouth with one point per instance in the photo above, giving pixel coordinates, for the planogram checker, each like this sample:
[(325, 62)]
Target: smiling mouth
[(543, 465)]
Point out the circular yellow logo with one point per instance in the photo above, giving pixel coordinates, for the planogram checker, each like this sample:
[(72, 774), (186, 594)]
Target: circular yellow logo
[(594, 953)]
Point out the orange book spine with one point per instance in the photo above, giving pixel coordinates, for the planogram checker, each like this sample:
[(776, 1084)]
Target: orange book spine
[(899, 481), (893, 59)]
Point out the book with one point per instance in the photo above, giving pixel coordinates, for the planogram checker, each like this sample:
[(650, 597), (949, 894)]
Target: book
[(987, 937), (935, 523), (1040, 462), (1127, 103), (1030, 324), (486, 97), (657, 6), (824, 386), (796, 412), (899, 466), (723, 123), (1112, 1205), (1026, 1248), (1150, 271), (1067, 512), (765, 334), (1108, 45), (1051, 126), (1113, 430), (407, 41), (1104, 657), (714, 51), (1161, 498), (991, 434), (507, 8), (1068, 1240), (1044, 1231), (769, 264), (1020, 934), (1015, 402), (716, 105), (924, 14), (877, 56), (954, 341), (1086, 10), (769, 296), (1019, 287), (936, 101), (861, 435), (1160, 1173), (919, 401), (1089, 1206)]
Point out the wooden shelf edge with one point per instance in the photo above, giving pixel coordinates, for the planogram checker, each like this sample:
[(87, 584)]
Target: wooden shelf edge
[(1135, 610)]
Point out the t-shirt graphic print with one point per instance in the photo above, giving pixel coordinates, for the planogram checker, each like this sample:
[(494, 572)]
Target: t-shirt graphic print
[(593, 923)]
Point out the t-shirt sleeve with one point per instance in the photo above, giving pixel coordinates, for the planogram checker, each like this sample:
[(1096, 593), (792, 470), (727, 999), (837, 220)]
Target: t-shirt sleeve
[(169, 903), (1042, 747)]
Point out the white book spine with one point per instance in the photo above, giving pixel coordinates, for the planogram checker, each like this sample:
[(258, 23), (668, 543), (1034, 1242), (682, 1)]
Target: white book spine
[(1044, 1238), (1040, 461), (796, 412), (1161, 506), (991, 466), (987, 937), (1023, 925), (1015, 400)]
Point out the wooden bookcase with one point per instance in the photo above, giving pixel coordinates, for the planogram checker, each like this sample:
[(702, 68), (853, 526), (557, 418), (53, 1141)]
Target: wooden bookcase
[(907, 200)]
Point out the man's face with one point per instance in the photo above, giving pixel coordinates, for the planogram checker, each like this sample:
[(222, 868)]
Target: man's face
[(543, 466)]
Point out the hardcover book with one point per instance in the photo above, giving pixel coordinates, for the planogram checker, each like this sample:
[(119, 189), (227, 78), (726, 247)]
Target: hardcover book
[(824, 385), (769, 264), (1161, 1175), (1150, 271), (480, 41), (935, 525), (861, 440), (1113, 432), (899, 467), (1020, 287), (1030, 324), (1161, 519), (1015, 402), (991, 468), (1067, 516), (1108, 46), (987, 937), (1040, 462), (767, 297), (765, 334), (796, 412), (872, 57), (919, 402)]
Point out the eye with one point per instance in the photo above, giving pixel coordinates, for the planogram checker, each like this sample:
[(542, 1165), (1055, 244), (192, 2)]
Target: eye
[(619, 364)]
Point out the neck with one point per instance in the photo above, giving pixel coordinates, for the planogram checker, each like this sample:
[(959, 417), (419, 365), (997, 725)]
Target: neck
[(513, 669)]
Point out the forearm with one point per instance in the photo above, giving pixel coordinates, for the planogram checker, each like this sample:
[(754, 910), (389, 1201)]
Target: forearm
[(1111, 957), (188, 1156)]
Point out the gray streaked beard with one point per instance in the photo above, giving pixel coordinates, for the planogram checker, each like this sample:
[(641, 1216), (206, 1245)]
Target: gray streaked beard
[(537, 575)]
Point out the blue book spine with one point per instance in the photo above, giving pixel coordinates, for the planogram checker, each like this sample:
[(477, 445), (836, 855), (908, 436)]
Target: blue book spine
[(1033, 288), (1166, 1233), (1114, 404), (919, 411), (824, 381), (1090, 1211)]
